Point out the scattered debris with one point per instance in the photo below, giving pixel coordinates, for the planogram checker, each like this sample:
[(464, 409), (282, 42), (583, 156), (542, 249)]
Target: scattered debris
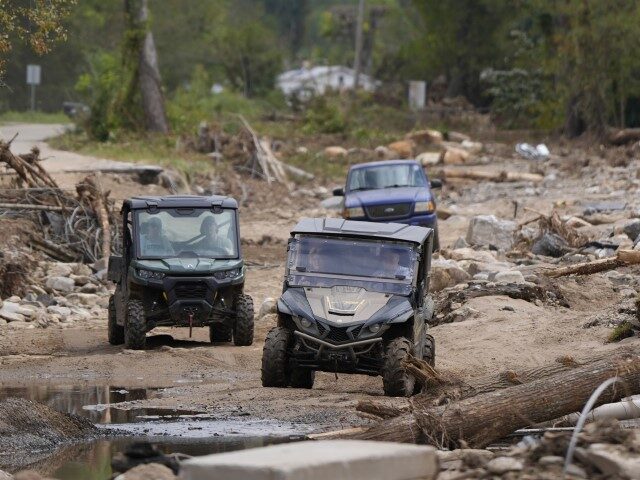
[(539, 152)]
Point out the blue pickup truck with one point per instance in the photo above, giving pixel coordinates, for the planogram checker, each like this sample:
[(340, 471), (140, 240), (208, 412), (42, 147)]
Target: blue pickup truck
[(392, 191)]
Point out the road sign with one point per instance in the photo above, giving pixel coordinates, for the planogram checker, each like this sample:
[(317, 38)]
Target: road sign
[(33, 74)]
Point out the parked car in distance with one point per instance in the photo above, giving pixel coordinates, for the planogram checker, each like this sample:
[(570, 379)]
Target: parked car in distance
[(395, 191)]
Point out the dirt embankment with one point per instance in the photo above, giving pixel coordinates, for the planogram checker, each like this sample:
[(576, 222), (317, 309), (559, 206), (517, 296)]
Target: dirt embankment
[(30, 431)]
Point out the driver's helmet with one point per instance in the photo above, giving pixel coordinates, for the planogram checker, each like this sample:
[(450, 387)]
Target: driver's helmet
[(206, 224)]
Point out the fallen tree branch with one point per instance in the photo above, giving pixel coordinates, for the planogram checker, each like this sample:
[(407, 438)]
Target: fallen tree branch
[(622, 259), (502, 176)]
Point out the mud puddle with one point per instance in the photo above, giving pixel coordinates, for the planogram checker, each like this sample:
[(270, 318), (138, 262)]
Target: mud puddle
[(172, 430)]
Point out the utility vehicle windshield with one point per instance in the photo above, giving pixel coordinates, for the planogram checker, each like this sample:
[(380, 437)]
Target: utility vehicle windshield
[(373, 265), (386, 176), (186, 232)]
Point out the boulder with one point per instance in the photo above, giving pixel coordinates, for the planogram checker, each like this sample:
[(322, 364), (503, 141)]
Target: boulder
[(268, 306), (149, 471), (87, 299), (511, 276), (61, 284), (81, 269), (550, 245), (460, 243), (614, 461), (335, 152), (472, 147), (80, 280), (458, 137), (454, 156), (403, 148), (488, 230), (60, 269), (14, 312), (425, 137), (428, 159), (446, 273), (384, 153), (58, 310), (632, 229), (5, 476), (502, 465)]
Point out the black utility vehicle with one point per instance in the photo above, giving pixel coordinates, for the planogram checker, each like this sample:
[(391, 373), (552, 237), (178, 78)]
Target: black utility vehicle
[(356, 300), (181, 266)]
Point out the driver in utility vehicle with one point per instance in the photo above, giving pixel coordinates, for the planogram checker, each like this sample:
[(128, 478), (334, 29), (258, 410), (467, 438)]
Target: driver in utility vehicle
[(391, 266), (212, 239)]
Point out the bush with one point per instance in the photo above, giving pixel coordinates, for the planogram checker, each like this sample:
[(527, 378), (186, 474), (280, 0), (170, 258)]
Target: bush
[(325, 115)]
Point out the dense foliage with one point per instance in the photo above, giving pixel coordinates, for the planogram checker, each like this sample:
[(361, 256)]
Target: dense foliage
[(533, 63)]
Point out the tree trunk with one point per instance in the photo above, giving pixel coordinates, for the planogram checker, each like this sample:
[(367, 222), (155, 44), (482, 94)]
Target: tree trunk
[(149, 78), (623, 258), (483, 419)]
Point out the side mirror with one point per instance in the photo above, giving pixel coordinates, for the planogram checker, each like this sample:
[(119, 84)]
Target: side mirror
[(338, 192), (437, 183), (114, 271)]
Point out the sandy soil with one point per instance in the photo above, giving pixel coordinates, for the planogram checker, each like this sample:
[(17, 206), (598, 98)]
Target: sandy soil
[(225, 379)]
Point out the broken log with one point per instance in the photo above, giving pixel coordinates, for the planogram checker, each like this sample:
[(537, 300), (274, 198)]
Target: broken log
[(483, 419), (502, 176), (622, 259), (624, 136), (24, 206), (88, 189), (380, 410)]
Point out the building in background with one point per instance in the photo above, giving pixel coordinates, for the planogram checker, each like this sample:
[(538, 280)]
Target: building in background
[(305, 83)]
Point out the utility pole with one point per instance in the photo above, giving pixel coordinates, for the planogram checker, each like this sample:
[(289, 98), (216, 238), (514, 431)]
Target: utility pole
[(358, 60)]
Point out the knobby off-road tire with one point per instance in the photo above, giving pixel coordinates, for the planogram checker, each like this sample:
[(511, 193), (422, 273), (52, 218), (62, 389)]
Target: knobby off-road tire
[(243, 326), (396, 382), (115, 332), (302, 378), (275, 358), (220, 333), (135, 330), (430, 350)]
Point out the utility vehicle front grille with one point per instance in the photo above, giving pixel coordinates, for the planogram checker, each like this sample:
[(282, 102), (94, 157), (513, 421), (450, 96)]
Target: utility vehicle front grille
[(191, 290), (338, 334), (394, 210)]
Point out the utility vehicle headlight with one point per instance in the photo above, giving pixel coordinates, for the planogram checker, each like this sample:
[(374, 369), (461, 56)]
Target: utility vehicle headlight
[(226, 274), (356, 212), (150, 275), (425, 207), (375, 328), (305, 322)]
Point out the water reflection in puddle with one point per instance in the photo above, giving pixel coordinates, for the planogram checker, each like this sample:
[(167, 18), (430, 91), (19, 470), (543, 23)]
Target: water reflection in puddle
[(173, 430)]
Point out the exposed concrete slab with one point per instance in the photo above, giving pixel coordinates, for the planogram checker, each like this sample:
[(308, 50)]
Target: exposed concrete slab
[(322, 460)]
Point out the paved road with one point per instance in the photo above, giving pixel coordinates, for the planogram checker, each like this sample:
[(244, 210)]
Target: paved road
[(59, 161)]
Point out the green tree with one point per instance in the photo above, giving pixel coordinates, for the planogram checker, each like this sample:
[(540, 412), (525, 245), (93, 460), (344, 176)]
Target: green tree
[(37, 23)]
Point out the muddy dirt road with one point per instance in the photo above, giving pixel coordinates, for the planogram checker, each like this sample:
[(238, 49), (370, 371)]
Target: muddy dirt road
[(496, 333)]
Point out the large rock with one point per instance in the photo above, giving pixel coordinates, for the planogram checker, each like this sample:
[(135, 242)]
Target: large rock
[(511, 276), (446, 273), (336, 152), (384, 153), (455, 156), (550, 245), (14, 312), (428, 159), (60, 269), (403, 148), (487, 230), (61, 284), (632, 229), (502, 465), (331, 459), (150, 471), (425, 137), (268, 306), (5, 476), (614, 461)]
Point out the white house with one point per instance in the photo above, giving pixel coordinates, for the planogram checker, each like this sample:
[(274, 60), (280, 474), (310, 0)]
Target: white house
[(307, 82)]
